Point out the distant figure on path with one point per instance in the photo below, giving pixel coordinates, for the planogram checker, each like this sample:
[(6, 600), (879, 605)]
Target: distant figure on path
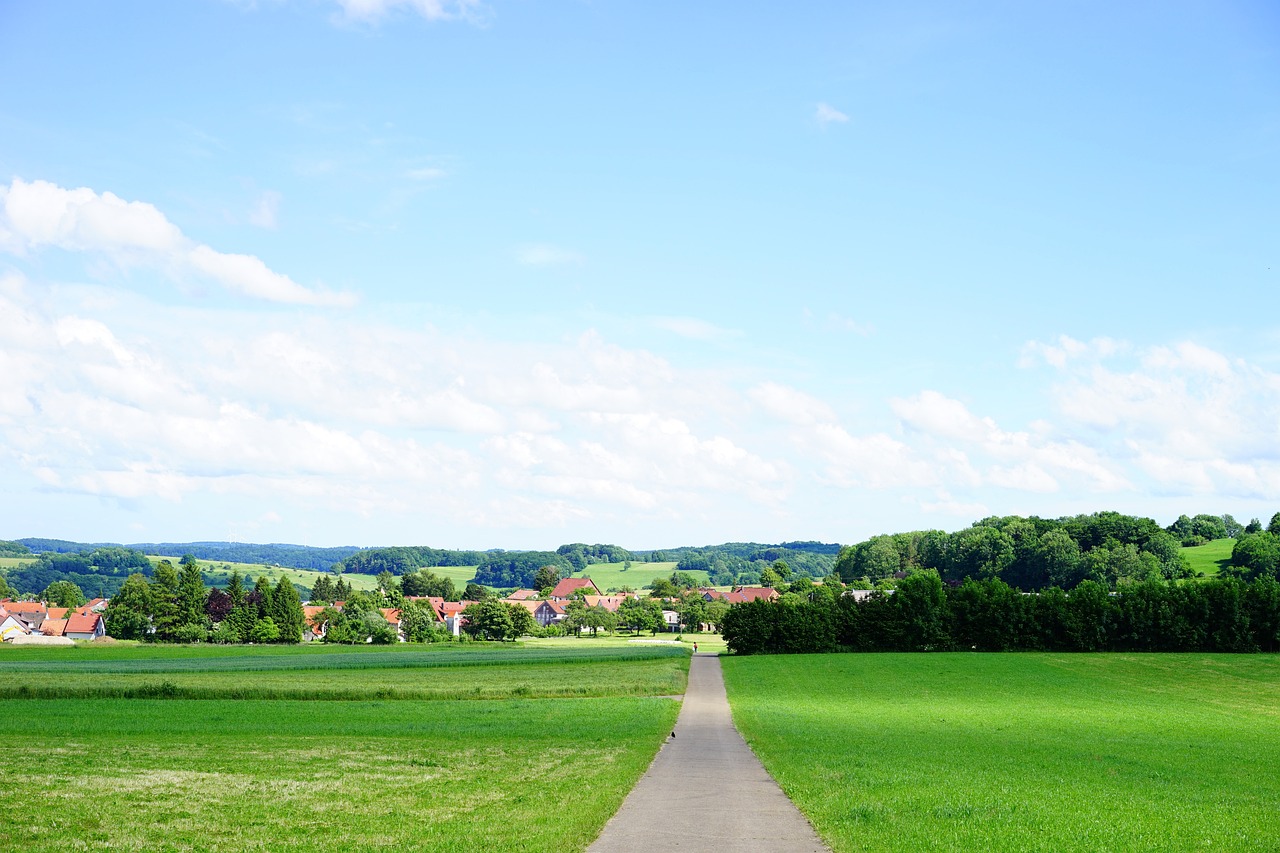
[(695, 648)]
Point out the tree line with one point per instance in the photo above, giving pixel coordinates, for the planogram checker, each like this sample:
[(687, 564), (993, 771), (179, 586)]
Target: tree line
[(924, 614)]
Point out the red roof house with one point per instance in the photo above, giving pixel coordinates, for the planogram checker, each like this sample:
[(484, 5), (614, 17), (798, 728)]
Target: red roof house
[(568, 586)]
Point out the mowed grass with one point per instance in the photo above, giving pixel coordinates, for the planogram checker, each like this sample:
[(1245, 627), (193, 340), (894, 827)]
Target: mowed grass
[(517, 773), (15, 562), (1021, 752), (609, 576), (445, 672), (1210, 558)]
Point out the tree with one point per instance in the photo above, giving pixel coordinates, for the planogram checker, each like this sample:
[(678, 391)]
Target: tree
[(128, 614), (217, 605), (418, 621), (522, 621), (373, 624), (264, 631), (191, 595), (322, 591), (64, 594), (663, 588), (1254, 526), (546, 579), (1274, 527), (489, 619), (164, 597), (388, 585), (640, 614), (286, 611), (475, 592)]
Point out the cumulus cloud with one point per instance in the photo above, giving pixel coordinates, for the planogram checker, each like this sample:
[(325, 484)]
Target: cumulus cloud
[(38, 215), (826, 114), (789, 404)]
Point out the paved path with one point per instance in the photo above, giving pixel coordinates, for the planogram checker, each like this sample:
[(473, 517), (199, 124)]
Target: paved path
[(706, 790)]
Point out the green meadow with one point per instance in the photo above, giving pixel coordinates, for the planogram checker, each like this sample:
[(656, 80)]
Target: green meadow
[(609, 576), (15, 562), (1020, 752), (219, 571), (1210, 558), (395, 766)]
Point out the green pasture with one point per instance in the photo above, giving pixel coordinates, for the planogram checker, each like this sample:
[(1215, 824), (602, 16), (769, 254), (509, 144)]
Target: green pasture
[(371, 773), (1020, 752), (328, 672), (15, 562), (221, 572), (1211, 557), (609, 576)]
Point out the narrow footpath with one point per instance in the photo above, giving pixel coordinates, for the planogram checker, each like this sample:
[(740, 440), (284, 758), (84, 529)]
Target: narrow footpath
[(706, 790)]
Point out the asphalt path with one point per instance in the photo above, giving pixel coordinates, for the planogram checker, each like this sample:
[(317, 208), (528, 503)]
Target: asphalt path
[(706, 790)]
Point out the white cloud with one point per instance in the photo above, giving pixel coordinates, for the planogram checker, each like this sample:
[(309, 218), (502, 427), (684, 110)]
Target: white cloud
[(38, 215), (790, 405), (826, 114), (266, 211), (433, 10), (546, 255)]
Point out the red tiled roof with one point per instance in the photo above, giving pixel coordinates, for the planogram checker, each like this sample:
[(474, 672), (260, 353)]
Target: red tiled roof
[(568, 586), (751, 593), (608, 602), (54, 627), (25, 606), (82, 624), (522, 595), (391, 614), (57, 613)]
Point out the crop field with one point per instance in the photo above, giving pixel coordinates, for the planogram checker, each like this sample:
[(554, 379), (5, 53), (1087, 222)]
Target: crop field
[(609, 576), (374, 772), (15, 562), (1211, 557), (1020, 751)]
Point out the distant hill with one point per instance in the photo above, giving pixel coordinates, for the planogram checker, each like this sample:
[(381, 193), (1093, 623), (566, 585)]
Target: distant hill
[(291, 556)]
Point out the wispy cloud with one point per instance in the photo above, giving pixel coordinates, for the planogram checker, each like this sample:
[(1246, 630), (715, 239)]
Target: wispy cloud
[(429, 173), (370, 11), (37, 215), (695, 329), (547, 255), (266, 210), (826, 114)]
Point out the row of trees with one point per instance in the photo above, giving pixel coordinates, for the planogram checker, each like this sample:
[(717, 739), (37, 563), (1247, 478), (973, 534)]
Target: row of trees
[(175, 606), (1027, 553), (924, 614), (1257, 553)]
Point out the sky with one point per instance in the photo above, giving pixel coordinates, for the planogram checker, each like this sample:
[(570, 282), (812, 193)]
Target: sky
[(507, 274)]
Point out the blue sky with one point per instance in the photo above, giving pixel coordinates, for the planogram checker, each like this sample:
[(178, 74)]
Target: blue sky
[(509, 274)]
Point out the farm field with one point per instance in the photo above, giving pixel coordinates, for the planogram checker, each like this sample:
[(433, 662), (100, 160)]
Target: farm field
[(14, 562), (1020, 751), (609, 576), (1211, 557), (330, 672), (516, 773), (302, 577)]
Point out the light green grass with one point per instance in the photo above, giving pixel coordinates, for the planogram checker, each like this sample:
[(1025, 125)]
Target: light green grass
[(15, 562), (302, 577), (1020, 752), (1210, 558), (261, 775), (609, 576)]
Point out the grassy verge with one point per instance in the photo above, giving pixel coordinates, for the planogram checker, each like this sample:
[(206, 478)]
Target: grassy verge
[(1020, 752), (1210, 558), (250, 775)]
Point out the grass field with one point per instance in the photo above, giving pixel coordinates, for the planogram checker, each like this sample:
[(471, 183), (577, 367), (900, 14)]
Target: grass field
[(14, 562), (609, 576), (301, 577), (1211, 557), (1021, 752), (373, 773)]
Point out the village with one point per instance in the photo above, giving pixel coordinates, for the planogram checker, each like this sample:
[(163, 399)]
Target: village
[(36, 622)]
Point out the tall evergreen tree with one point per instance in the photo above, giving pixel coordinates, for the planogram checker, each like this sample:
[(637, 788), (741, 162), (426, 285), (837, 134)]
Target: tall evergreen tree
[(286, 611), (164, 598), (191, 595), (128, 614)]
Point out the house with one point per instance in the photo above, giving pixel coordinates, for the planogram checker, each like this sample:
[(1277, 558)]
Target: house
[(392, 615), (671, 620), (451, 615), (544, 612), (54, 627), (82, 627), (743, 594), (56, 613), (10, 627), (608, 602), (314, 625), (568, 586), (30, 613), (523, 595), (97, 605), (709, 594)]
